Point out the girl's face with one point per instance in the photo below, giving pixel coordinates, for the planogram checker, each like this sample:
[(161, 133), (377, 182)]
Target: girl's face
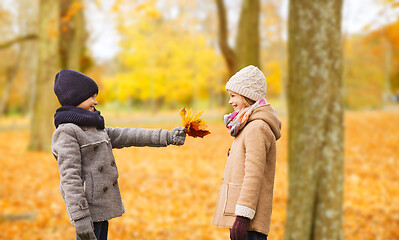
[(89, 103), (237, 101)]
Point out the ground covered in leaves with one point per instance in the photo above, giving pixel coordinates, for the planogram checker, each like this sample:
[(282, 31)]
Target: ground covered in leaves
[(171, 193)]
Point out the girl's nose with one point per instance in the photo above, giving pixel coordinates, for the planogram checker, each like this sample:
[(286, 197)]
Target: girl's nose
[(95, 101), (230, 102)]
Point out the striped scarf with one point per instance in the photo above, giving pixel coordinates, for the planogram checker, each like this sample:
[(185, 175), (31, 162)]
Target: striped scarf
[(236, 120)]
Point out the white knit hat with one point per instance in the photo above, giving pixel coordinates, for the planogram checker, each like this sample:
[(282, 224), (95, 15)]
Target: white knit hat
[(248, 82)]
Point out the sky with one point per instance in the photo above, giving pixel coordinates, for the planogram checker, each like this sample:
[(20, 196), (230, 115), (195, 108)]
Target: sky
[(103, 38), (357, 14)]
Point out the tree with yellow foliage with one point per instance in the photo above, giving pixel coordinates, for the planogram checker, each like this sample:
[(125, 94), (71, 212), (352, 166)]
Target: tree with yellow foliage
[(162, 63)]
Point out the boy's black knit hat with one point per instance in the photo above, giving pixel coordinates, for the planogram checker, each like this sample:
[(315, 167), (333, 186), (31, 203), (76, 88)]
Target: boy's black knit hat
[(72, 87)]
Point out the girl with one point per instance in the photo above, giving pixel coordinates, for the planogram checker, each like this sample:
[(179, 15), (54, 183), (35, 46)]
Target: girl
[(246, 195)]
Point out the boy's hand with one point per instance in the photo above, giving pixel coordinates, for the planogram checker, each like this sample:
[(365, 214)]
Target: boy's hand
[(177, 136), (84, 229)]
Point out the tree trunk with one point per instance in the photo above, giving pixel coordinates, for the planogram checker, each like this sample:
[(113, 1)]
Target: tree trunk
[(45, 101), (73, 34), (228, 53), (247, 41), (10, 76), (6, 92), (315, 137), (387, 72)]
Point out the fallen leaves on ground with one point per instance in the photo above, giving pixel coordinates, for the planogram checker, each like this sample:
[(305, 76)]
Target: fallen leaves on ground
[(171, 193)]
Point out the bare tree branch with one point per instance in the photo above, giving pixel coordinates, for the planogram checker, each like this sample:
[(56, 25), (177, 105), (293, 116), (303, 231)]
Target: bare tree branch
[(18, 40)]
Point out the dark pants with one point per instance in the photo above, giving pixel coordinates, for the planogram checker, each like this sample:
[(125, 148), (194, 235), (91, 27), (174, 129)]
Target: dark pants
[(256, 236), (100, 230)]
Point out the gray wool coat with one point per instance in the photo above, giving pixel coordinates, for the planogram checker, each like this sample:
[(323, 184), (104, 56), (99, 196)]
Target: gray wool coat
[(87, 168)]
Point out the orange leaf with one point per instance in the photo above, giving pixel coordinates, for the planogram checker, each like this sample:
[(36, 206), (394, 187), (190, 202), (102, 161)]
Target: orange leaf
[(195, 126)]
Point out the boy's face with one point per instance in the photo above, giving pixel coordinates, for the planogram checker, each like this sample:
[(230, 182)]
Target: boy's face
[(237, 101), (89, 103)]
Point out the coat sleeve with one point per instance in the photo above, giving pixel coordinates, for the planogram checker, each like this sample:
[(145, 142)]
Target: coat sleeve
[(256, 147), (66, 150), (139, 137)]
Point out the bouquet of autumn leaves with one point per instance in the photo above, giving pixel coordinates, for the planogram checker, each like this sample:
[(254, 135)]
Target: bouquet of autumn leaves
[(194, 125)]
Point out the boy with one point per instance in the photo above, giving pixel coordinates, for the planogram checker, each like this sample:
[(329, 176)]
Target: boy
[(82, 146)]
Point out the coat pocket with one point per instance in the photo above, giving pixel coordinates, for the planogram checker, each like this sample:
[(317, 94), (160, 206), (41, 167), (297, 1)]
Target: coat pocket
[(88, 187), (232, 195), (89, 151)]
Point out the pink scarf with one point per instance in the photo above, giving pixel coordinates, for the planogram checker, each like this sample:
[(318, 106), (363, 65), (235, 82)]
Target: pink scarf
[(236, 120)]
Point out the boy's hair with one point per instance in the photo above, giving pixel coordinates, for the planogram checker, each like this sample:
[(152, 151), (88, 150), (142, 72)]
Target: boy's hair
[(72, 87)]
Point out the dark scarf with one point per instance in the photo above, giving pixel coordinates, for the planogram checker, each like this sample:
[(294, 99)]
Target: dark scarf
[(78, 116)]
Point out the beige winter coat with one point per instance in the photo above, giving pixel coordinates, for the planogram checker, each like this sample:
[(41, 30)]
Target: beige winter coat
[(247, 188)]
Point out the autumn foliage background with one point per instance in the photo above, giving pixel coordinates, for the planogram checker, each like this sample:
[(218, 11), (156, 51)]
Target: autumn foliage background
[(166, 57)]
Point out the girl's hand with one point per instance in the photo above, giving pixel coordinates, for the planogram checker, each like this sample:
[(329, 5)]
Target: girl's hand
[(239, 229), (177, 136)]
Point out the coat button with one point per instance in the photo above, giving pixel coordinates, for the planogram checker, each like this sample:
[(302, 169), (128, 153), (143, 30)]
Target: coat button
[(105, 189), (115, 183), (100, 168), (84, 128), (113, 163)]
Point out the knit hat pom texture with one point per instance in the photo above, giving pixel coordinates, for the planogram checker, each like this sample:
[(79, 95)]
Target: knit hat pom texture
[(248, 82), (72, 87)]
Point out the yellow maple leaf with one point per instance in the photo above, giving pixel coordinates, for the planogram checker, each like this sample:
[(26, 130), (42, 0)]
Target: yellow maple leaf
[(194, 125)]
